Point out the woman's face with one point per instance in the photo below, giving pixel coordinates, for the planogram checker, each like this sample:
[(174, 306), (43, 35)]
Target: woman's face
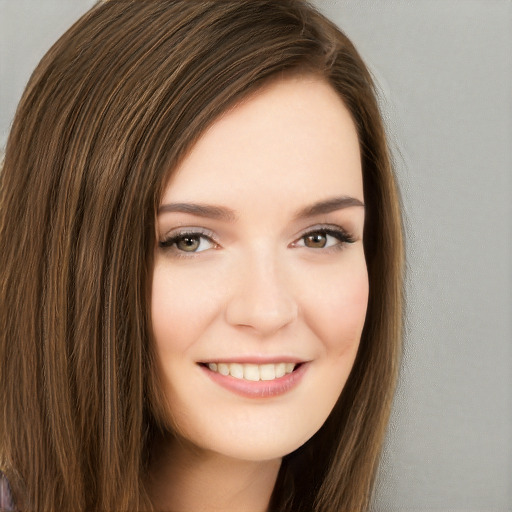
[(260, 284)]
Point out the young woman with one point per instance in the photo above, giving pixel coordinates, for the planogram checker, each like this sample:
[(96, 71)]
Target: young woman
[(201, 279)]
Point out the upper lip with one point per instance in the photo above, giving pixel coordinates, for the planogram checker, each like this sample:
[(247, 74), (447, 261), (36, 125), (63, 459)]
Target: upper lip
[(255, 360)]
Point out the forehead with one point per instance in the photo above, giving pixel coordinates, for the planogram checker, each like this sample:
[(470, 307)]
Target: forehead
[(293, 139)]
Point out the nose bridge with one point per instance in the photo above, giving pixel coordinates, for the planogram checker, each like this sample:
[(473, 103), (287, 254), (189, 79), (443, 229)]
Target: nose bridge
[(261, 296)]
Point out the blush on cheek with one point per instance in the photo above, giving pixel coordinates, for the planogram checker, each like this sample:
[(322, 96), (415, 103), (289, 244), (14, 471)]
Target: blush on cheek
[(343, 319), (359, 304)]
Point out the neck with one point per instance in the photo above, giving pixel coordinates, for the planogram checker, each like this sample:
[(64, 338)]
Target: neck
[(185, 478)]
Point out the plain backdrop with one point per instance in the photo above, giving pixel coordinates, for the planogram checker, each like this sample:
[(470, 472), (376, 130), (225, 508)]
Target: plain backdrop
[(444, 72)]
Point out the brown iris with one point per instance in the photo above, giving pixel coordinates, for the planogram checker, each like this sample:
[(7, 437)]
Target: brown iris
[(315, 241), (188, 243)]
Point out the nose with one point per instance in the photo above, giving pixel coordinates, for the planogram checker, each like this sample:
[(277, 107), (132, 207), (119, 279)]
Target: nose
[(261, 300)]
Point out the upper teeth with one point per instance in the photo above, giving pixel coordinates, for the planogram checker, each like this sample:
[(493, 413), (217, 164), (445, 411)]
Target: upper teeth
[(253, 372)]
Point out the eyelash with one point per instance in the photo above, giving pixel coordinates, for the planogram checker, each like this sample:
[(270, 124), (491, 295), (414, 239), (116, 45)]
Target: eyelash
[(337, 232), (168, 243)]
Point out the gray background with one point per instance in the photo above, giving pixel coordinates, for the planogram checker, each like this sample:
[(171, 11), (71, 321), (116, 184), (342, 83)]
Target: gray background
[(444, 71)]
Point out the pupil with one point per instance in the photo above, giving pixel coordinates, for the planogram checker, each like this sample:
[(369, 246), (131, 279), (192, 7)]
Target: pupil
[(188, 243), (316, 241)]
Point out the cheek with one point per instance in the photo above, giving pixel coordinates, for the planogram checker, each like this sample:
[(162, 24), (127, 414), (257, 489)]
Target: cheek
[(182, 305), (337, 311), (336, 316)]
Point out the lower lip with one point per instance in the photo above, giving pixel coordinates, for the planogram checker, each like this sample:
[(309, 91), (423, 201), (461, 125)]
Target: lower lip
[(260, 388)]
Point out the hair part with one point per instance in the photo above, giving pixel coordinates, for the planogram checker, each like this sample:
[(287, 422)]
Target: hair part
[(107, 115)]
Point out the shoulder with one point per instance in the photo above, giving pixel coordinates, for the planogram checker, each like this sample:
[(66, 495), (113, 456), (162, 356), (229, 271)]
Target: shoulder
[(6, 501)]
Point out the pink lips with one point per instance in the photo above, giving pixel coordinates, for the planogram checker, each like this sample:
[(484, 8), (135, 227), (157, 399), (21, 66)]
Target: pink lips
[(261, 388)]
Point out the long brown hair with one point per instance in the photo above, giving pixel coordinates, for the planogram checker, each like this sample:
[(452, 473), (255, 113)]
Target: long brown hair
[(106, 116)]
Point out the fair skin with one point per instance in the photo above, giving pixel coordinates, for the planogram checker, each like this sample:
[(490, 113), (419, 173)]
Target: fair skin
[(258, 304)]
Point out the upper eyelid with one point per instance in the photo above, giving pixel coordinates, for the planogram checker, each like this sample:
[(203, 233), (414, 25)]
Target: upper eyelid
[(191, 230), (183, 231), (323, 227)]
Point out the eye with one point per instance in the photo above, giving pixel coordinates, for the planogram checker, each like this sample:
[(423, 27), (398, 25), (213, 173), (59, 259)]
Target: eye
[(325, 238), (192, 242)]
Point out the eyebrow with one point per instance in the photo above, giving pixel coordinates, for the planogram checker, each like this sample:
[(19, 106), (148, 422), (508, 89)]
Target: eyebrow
[(228, 215), (201, 210), (327, 206)]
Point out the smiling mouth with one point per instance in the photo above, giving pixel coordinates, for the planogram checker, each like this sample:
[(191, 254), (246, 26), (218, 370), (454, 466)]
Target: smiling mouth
[(253, 372)]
